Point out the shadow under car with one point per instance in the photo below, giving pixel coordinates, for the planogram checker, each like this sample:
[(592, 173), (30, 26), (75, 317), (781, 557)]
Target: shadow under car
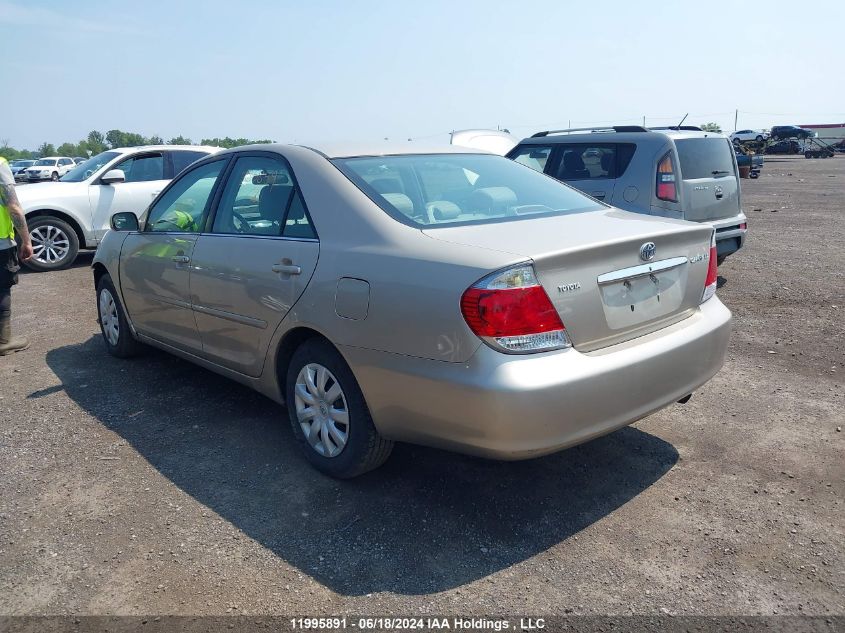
[(425, 522)]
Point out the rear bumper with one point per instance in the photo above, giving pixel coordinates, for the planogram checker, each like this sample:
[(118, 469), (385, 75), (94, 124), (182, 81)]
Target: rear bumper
[(729, 237), (516, 407)]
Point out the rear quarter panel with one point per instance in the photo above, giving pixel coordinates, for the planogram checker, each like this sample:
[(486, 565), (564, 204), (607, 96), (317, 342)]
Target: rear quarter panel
[(415, 282)]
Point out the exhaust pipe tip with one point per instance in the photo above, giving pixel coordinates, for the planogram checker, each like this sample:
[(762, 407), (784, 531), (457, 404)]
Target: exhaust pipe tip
[(685, 399)]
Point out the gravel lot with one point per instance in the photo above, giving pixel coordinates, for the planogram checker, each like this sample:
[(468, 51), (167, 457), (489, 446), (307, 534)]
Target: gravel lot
[(153, 487)]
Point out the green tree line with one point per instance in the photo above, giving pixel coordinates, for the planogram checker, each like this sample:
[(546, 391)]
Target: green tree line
[(97, 142)]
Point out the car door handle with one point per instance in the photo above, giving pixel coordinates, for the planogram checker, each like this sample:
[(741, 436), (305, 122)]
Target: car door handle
[(287, 269), (181, 259)]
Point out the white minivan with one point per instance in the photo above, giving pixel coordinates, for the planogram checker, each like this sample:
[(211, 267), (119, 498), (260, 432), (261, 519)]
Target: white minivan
[(73, 212)]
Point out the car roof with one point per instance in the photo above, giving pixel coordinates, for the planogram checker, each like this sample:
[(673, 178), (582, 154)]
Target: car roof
[(349, 150), (147, 148), (611, 136)]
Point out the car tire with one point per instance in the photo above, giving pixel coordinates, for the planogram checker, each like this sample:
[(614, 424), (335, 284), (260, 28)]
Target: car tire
[(55, 242), (54, 176), (720, 259), (113, 324), (759, 138), (317, 370)]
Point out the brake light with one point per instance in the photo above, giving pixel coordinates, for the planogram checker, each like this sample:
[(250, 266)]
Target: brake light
[(743, 226), (712, 271), (510, 311), (666, 185)]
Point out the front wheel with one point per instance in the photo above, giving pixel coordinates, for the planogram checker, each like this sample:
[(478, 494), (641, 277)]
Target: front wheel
[(759, 138), (54, 244), (328, 413), (113, 324), (54, 177)]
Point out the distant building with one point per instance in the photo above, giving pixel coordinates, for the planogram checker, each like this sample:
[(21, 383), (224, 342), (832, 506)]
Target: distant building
[(828, 132)]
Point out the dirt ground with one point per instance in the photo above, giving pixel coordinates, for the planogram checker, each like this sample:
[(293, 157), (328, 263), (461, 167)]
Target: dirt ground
[(153, 487)]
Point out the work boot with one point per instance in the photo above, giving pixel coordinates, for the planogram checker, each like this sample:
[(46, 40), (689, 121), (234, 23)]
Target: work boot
[(9, 345)]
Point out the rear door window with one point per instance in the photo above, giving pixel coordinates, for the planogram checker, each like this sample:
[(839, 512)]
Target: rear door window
[(183, 158), (585, 161), (705, 158), (143, 168)]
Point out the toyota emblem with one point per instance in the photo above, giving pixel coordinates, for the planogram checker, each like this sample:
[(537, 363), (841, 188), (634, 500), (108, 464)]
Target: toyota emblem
[(647, 251)]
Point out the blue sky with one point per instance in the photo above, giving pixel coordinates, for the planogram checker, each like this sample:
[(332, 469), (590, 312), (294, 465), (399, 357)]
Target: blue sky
[(355, 70)]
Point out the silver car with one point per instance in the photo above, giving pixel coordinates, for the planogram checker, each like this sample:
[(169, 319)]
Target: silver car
[(438, 296), (682, 172)]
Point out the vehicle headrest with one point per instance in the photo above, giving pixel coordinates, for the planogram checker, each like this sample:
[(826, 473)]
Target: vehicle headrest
[(493, 200), (440, 210), (607, 162), (400, 202), (572, 160), (273, 200)]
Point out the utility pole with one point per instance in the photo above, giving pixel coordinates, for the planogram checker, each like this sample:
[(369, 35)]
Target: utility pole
[(736, 117), (643, 120)]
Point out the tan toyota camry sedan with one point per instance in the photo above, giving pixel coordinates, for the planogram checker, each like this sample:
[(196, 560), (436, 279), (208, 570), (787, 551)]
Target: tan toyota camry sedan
[(431, 295)]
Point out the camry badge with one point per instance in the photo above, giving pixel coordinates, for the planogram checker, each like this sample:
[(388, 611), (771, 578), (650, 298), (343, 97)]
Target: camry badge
[(647, 251)]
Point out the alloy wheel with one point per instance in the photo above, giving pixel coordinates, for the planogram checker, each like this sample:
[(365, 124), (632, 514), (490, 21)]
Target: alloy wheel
[(50, 244)]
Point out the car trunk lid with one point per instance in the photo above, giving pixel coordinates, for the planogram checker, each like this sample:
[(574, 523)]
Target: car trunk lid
[(591, 268)]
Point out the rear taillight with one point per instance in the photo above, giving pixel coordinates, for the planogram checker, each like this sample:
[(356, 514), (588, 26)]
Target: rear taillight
[(666, 184), (712, 271), (743, 226), (512, 313)]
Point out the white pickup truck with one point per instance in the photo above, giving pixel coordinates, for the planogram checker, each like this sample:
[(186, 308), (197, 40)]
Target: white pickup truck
[(73, 213)]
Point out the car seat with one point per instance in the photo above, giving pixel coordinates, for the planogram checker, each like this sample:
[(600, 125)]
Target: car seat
[(273, 202), (573, 167)]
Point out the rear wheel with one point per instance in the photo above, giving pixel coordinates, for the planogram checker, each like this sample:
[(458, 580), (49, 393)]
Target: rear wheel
[(113, 324), (54, 244), (328, 413), (759, 138)]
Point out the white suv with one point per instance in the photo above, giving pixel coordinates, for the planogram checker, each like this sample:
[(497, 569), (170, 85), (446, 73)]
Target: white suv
[(50, 168), (741, 136), (74, 213)]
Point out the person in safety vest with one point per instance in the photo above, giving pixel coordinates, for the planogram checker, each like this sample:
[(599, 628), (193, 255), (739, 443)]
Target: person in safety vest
[(182, 220), (12, 223)]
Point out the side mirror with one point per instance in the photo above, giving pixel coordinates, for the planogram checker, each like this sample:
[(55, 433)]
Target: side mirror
[(124, 221), (112, 176)]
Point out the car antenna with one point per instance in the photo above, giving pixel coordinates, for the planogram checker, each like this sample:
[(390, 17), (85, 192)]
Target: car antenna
[(682, 120)]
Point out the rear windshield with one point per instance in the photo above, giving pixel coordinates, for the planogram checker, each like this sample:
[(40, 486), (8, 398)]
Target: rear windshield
[(450, 189), (705, 157), (182, 159)]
